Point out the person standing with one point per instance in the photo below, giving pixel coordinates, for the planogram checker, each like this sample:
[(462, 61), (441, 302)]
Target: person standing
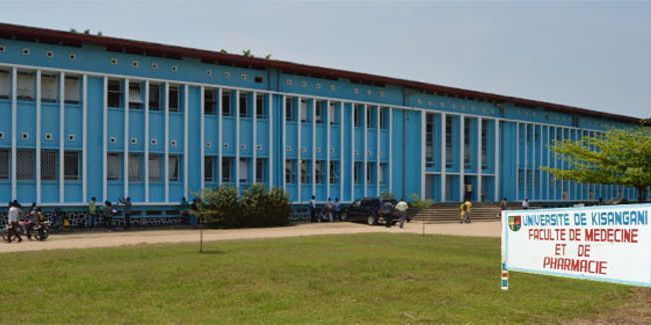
[(92, 213), (387, 213), (185, 210), (312, 208), (464, 212), (12, 220), (468, 192), (108, 215), (402, 208), (127, 212), (330, 210), (337, 208), (525, 204)]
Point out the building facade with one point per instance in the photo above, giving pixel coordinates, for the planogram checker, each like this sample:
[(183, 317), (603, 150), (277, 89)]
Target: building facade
[(86, 116)]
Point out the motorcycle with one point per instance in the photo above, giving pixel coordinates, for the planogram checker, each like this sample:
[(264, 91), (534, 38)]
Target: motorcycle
[(41, 231)]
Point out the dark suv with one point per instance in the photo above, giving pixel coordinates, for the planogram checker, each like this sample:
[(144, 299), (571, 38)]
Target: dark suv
[(367, 210)]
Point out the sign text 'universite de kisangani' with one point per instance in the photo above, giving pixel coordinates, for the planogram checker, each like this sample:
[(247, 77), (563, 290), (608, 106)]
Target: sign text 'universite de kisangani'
[(604, 243)]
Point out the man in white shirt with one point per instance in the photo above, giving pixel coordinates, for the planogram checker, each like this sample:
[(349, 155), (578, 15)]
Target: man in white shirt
[(525, 204), (12, 220), (402, 208)]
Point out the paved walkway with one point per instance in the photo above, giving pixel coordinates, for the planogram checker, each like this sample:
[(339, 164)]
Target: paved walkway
[(110, 239)]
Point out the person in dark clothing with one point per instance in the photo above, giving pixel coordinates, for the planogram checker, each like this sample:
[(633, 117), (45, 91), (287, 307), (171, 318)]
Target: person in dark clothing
[(312, 208), (387, 213), (108, 215), (127, 213)]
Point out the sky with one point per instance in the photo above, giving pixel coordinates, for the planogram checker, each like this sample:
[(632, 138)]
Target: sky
[(595, 55)]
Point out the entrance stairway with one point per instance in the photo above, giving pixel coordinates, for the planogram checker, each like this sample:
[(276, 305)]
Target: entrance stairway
[(449, 213)]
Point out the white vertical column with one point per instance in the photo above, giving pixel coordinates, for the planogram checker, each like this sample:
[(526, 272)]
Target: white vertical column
[(517, 161), (327, 123), (462, 151), (526, 166), (365, 169), (237, 140), (166, 147), (342, 170), (378, 150), (443, 156), (146, 141), (299, 150), (390, 167), (62, 135), (271, 141), (540, 164), (423, 176), (14, 132), (479, 158), (352, 152), (104, 137), (38, 137), (314, 146), (284, 147), (220, 134), (533, 162), (186, 142), (84, 140), (126, 138), (496, 168), (254, 148), (202, 131)]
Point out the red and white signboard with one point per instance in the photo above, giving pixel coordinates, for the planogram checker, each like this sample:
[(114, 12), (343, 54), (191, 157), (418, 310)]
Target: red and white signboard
[(603, 243)]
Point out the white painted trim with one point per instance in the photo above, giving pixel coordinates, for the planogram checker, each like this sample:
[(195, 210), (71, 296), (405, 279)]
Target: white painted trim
[(365, 168), (533, 163), (342, 142), (479, 159), (378, 149), (313, 165), (220, 135), (390, 121), (84, 140), (166, 147), (327, 124), (254, 141), (38, 139), (497, 168), (202, 131), (517, 161), (444, 168), (540, 165), (186, 140), (146, 141), (462, 160), (423, 136), (104, 138), (126, 140), (14, 132), (62, 136), (526, 166), (299, 152), (237, 140), (352, 152), (271, 141), (284, 147)]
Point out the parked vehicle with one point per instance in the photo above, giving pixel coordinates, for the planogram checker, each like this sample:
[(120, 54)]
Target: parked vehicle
[(368, 210)]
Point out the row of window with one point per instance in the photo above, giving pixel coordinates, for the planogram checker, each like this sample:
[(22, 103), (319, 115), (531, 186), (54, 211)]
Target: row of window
[(319, 168), (26, 86), (26, 164)]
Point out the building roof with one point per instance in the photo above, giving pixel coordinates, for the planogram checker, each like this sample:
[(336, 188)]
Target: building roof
[(45, 35)]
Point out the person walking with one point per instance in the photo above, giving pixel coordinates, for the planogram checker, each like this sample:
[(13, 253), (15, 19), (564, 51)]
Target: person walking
[(387, 213), (312, 209), (185, 210), (92, 213), (525, 204), (194, 208), (402, 208), (337, 208), (12, 220), (330, 210)]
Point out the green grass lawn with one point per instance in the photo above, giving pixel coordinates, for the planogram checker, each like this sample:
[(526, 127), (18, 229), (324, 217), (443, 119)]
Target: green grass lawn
[(336, 279)]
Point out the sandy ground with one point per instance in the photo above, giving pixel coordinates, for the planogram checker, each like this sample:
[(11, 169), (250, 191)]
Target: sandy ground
[(110, 239)]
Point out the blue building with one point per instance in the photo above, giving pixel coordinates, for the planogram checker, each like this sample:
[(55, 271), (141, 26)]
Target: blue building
[(86, 116)]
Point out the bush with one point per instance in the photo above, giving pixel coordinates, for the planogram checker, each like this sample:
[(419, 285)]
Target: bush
[(257, 207), (387, 196), (420, 204)]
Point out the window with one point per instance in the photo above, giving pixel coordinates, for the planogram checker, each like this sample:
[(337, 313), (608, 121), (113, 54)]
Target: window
[(484, 144), (173, 165), (5, 85), (466, 144), (226, 170), (226, 103), (289, 110), (318, 169), (305, 172), (71, 92), (209, 169), (318, 112), (370, 172), (49, 165), (383, 173), (25, 85), (155, 170), (358, 173), (429, 142), (357, 116), (303, 111), (244, 170), (334, 172), (290, 171), (369, 117), (135, 167), (209, 102), (332, 114), (260, 170), (154, 97), (113, 167), (135, 95), (49, 91), (25, 164), (244, 109), (383, 117), (448, 142), (174, 98), (71, 165), (259, 107), (4, 164), (114, 93)]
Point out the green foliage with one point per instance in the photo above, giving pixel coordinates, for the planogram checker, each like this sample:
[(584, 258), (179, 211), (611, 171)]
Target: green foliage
[(417, 203), (247, 53), (388, 196), (621, 157), (257, 207)]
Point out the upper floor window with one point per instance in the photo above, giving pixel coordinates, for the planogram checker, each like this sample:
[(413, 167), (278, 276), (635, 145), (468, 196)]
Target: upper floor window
[(244, 109), (72, 90), (318, 112), (155, 170), (71, 163), (49, 91), (113, 166), (259, 107), (332, 114), (244, 170), (154, 97), (303, 111), (5, 84), (357, 116), (49, 168), (260, 170), (209, 169), (114, 93), (289, 110), (135, 95), (25, 84), (173, 165), (173, 98), (226, 103), (290, 171), (25, 164), (226, 169), (209, 101), (4, 164)]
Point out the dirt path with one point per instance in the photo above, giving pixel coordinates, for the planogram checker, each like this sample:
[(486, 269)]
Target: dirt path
[(110, 239)]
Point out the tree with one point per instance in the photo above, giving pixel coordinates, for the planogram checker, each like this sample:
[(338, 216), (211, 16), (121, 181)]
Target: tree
[(621, 156)]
